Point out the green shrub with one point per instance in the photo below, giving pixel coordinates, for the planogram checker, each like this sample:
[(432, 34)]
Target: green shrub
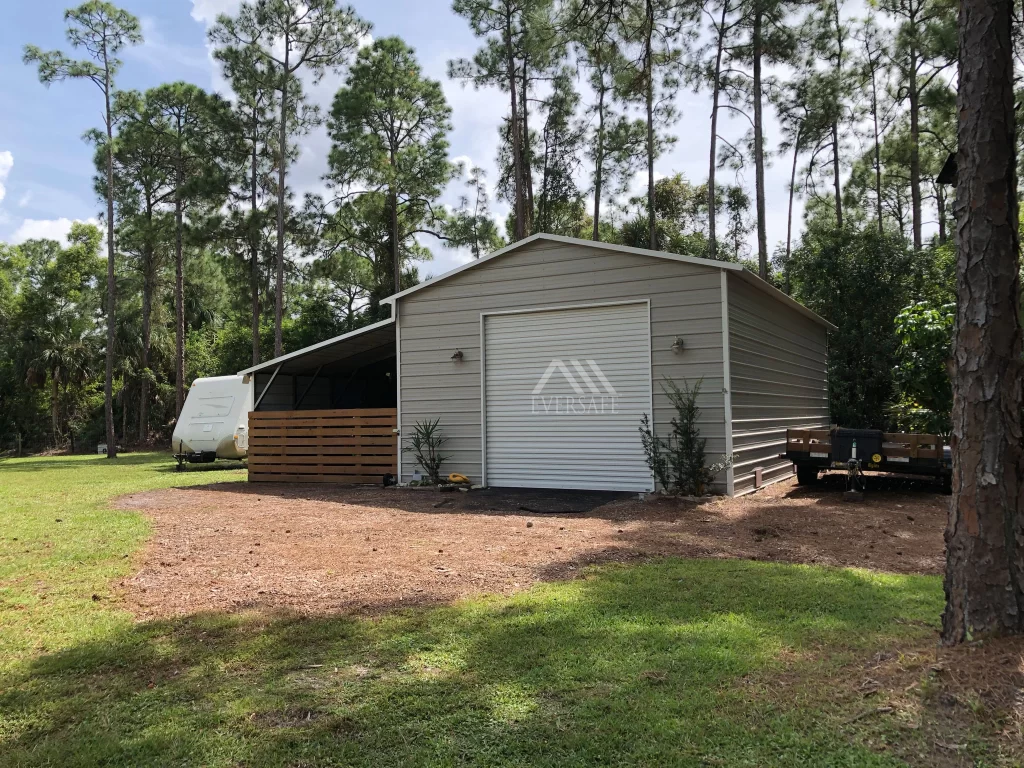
[(679, 462), (425, 445)]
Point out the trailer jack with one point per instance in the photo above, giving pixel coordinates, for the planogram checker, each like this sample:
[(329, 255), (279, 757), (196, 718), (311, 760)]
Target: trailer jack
[(854, 481), (193, 457)]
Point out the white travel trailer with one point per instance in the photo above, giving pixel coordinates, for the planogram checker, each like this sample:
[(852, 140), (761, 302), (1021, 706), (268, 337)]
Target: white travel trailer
[(214, 421)]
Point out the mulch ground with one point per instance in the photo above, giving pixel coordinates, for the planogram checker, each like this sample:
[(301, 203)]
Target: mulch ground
[(316, 549)]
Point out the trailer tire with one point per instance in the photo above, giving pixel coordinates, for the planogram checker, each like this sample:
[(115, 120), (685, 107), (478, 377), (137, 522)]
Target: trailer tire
[(807, 475)]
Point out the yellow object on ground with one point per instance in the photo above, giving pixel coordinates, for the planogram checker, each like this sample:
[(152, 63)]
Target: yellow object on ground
[(455, 477)]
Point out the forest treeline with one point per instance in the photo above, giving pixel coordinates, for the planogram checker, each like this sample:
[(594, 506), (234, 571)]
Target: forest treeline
[(216, 262)]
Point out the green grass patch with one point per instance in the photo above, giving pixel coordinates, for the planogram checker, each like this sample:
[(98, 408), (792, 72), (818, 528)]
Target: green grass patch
[(61, 543), (678, 662)]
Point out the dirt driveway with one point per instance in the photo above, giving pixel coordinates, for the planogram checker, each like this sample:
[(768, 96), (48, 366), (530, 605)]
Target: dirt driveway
[(316, 549)]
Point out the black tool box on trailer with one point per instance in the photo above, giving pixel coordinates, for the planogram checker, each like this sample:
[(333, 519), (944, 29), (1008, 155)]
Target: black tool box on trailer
[(862, 444)]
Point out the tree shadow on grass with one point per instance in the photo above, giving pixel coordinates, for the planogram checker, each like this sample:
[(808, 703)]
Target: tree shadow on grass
[(646, 665), (159, 462)]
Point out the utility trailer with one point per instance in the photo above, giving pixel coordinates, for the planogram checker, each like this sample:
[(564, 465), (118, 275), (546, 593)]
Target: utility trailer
[(867, 450)]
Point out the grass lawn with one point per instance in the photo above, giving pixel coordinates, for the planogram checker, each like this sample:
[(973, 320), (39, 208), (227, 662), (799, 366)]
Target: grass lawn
[(678, 662)]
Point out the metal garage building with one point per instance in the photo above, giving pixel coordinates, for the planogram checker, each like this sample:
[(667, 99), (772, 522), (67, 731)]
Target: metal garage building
[(540, 359)]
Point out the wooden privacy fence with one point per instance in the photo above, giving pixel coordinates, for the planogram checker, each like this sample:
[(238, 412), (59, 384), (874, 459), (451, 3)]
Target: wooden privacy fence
[(341, 446)]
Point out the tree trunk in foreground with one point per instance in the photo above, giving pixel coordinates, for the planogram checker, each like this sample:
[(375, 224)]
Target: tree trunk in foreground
[(985, 537)]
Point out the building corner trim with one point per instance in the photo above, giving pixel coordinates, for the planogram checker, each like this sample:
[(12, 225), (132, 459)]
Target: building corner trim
[(730, 473)]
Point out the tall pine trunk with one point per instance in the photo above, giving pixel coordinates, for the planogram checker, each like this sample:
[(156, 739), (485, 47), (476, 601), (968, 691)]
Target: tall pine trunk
[(179, 302), (836, 164), (792, 195), (108, 380), (915, 148), (517, 156), (55, 406), (527, 153), (652, 220), (281, 172), (147, 317), (716, 90), (940, 205), (396, 263), (254, 250), (599, 158), (762, 232), (878, 152), (985, 536), (836, 174)]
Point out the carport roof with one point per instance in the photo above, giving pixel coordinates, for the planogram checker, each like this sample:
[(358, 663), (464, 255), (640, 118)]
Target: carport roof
[(365, 345)]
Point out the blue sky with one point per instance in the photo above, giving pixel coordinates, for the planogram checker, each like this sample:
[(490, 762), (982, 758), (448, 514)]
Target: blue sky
[(46, 167)]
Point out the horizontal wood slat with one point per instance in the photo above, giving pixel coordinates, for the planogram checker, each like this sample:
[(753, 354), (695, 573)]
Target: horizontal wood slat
[(337, 446), (259, 477), (346, 413), (894, 445), (817, 440)]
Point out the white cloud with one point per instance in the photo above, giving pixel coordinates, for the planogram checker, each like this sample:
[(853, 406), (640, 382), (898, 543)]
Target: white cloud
[(25, 199), (6, 163), (207, 11), (45, 229), (165, 56)]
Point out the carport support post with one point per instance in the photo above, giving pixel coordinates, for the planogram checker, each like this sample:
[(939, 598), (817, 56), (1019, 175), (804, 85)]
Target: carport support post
[(308, 387), (256, 405)]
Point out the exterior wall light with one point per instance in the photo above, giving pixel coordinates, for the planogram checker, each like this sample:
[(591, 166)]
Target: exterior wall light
[(677, 345), (457, 357)]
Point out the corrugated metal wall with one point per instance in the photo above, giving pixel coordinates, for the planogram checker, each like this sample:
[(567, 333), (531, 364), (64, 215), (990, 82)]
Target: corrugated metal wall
[(779, 372), (437, 320), (286, 389)]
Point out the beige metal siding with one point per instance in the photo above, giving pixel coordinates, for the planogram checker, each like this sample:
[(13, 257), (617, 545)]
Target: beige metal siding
[(686, 302), (779, 373)]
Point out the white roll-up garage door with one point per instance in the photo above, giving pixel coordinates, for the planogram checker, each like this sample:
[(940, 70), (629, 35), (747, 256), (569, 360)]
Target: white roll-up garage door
[(564, 391)]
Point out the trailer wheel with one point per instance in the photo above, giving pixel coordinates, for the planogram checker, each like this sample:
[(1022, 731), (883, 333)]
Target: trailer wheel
[(807, 475)]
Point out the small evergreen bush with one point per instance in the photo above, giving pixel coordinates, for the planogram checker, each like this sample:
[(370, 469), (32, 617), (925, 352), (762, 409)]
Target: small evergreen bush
[(679, 462)]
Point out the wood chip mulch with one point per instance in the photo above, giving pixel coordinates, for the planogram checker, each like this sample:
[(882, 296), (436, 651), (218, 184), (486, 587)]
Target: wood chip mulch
[(318, 550)]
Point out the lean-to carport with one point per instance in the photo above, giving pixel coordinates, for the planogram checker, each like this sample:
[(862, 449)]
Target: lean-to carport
[(327, 413)]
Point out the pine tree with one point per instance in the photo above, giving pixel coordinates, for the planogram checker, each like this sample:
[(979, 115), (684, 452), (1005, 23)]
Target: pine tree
[(659, 33), (293, 38), (985, 537), (201, 144), (256, 105), (389, 131), (103, 30), (924, 49)]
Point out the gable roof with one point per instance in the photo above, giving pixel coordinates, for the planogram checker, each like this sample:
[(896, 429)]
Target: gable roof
[(729, 266)]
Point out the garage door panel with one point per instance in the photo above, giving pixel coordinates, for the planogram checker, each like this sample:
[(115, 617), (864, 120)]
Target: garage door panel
[(564, 391)]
